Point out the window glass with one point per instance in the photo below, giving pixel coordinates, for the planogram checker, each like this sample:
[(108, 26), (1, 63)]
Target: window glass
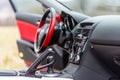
[(31, 6), (101, 7), (93, 7), (74, 5)]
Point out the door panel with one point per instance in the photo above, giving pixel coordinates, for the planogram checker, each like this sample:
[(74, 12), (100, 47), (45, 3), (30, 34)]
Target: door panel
[(28, 15), (27, 24), (27, 30)]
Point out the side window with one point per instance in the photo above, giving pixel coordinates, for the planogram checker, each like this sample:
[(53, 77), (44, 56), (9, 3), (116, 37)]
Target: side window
[(29, 6)]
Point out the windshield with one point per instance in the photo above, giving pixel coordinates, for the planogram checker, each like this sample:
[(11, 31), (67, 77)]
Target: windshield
[(93, 7)]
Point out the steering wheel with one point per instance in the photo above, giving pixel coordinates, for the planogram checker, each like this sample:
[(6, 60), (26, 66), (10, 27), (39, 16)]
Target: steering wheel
[(45, 31)]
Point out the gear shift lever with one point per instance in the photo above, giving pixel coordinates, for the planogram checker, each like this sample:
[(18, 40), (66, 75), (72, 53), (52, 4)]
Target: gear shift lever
[(50, 68)]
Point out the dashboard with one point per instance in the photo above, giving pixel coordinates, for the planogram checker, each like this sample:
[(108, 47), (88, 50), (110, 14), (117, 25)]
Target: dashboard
[(80, 33), (69, 21)]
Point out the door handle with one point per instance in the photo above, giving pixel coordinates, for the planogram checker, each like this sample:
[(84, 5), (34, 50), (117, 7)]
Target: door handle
[(38, 22)]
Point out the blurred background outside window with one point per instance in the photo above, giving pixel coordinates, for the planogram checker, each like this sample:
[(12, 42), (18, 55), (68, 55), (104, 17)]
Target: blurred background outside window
[(9, 58)]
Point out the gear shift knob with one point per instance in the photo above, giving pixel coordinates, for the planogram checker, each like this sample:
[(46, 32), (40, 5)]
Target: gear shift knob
[(50, 68)]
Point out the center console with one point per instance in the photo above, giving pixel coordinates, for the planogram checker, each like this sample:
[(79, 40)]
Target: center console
[(81, 35)]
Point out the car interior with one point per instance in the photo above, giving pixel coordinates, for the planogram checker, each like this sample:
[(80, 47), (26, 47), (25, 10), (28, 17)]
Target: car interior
[(73, 47)]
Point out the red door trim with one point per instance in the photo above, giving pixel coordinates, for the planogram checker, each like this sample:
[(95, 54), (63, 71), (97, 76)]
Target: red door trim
[(27, 30)]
